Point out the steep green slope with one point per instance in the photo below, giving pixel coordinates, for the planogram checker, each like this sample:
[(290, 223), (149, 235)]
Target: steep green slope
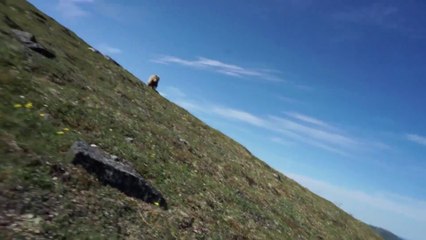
[(214, 187)]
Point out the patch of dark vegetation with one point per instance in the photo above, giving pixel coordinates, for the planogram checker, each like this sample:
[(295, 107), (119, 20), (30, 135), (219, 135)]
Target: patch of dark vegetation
[(9, 22), (39, 17)]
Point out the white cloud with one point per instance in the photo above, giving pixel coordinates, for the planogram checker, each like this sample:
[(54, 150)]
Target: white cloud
[(383, 15), (299, 127), (72, 8), (312, 142), (320, 137), (180, 98), (308, 119), (376, 14), (82, 1), (176, 92), (416, 139), (280, 141), (288, 100), (188, 105), (107, 49), (403, 215), (221, 67), (239, 115), (323, 135)]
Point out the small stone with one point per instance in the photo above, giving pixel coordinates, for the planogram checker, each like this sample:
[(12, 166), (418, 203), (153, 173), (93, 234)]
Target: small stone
[(277, 176), (130, 139), (186, 223), (91, 49), (28, 216), (13, 146), (183, 141)]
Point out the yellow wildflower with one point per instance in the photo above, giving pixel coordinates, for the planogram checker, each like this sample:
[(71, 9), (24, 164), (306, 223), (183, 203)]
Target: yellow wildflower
[(60, 133), (156, 203), (29, 105), (66, 129), (17, 105), (42, 114)]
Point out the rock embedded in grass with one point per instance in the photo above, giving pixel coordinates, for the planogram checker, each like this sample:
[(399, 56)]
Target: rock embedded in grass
[(29, 41), (116, 172)]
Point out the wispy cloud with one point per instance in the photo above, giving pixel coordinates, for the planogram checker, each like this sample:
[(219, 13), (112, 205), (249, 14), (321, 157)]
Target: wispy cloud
[(382, 15), (308, 119), (72, 8), (416, 139), (296, 126), (280, 141), (180, 98), (322, 139), (107, 49), (288, 100), (320, 134), (326, 139), (314, 132), (221, 67), (377, 208), (239, 115), (385, 15), (174, 91)]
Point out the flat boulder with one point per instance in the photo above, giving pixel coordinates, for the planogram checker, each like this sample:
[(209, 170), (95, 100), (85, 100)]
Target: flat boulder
[(29, 41), (116, 172)]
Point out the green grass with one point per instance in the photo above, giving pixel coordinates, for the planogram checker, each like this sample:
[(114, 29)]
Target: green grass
[(213, 180)]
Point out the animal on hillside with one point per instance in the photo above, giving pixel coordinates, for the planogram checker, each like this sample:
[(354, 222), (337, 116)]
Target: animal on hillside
[(153, 81)]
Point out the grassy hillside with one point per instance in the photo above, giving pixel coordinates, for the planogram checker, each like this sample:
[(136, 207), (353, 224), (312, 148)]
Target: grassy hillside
[(214, 187)]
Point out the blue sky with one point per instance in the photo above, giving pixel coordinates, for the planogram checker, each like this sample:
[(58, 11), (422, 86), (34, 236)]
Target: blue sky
[(331, 93)]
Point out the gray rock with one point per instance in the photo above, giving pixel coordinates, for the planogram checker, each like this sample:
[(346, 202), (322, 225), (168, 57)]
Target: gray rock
[(94, 50), (29, 41), (129, 139), (111, 60), (277, 176), (115, 172), (183, 141)]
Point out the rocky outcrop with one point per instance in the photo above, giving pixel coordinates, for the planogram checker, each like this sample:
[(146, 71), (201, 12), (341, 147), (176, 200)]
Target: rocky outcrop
[(29, 41), (116, 172), (112, 60)]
